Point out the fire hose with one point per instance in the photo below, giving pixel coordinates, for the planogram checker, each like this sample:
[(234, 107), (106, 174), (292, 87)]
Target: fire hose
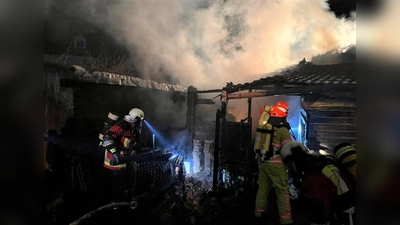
[(144, 177), (152, 175), (132, 205), (149, 176)]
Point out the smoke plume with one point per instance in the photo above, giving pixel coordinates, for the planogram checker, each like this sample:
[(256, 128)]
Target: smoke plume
[(208, 43)]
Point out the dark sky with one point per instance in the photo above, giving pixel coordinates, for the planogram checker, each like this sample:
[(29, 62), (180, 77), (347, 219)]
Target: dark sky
[(342, 7)]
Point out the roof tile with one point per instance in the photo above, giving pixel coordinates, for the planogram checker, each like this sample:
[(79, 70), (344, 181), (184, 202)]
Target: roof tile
[(311, 74)]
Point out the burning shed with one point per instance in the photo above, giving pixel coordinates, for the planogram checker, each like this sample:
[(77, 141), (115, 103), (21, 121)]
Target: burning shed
[(321, 98), (327, 96), (322, 102)]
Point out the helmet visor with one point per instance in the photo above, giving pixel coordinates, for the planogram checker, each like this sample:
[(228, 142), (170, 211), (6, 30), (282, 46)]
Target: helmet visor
[(129, 119)]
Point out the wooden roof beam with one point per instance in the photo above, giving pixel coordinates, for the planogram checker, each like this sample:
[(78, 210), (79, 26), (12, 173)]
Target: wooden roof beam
[(291, 91)]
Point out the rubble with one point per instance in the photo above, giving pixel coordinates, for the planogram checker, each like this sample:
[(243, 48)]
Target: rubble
[(194, 188)]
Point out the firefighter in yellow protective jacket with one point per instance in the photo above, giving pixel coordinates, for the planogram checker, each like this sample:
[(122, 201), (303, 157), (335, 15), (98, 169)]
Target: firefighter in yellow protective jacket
[(271, 168), (346, 153), (329, 189)]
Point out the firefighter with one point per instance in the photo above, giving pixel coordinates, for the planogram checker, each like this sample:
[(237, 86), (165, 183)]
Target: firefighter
[(120, 140), (329, 192), (271, 168), (346, 153)]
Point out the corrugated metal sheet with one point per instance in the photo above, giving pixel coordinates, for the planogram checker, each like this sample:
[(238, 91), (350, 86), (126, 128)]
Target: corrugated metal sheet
[(78, 73)]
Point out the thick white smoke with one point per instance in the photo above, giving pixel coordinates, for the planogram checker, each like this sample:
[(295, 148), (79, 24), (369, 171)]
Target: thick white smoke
[(208, 43)]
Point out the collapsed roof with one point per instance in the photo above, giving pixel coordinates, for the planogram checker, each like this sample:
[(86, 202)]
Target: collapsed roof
[(77, 73)]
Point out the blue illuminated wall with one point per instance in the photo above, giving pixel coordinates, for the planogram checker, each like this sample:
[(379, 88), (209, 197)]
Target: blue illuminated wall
[(295, 107)]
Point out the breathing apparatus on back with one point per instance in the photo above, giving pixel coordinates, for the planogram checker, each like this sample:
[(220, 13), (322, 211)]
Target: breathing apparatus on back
[(263, 144), (108, 122)]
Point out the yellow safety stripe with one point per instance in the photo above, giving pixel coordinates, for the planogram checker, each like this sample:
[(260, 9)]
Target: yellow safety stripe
[(344, 149), (126, 142), (332, 173), (329, 171), (349, 158)]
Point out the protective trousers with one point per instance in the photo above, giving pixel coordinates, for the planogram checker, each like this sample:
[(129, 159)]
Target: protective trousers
[(117, 184), (273, 174)]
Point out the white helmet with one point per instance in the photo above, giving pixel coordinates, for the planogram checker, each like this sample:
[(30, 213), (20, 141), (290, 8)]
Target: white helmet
[(134, 115), (286, 149)]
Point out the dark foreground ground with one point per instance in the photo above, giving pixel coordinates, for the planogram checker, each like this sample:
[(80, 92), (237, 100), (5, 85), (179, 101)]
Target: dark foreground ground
[(221, 207), (170, 206)]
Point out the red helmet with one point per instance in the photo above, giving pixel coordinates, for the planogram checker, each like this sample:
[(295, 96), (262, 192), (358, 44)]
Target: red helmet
[(277, 111), (283, 104)]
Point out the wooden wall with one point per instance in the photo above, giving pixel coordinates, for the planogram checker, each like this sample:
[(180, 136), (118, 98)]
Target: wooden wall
[(58, 103), (331, 120), (58, 107), (93, 102)]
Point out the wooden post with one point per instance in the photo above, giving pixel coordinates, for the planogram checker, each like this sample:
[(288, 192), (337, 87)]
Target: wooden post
[(216, 149), (190, 114), (249, 119)]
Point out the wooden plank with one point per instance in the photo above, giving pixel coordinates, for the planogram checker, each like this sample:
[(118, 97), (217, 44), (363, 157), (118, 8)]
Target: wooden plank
[(331, 113), (316, 103), (329, 104), (337, 140), (332, 126), (322, 119), (330, 144), (332, 108), (332, 133)]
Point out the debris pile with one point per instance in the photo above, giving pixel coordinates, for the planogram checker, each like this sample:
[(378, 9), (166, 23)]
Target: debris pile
[(193, 189)]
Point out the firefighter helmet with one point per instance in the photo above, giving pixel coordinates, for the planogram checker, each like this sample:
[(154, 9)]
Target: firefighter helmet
[(277, 111), (134, 115), (283, 104)]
